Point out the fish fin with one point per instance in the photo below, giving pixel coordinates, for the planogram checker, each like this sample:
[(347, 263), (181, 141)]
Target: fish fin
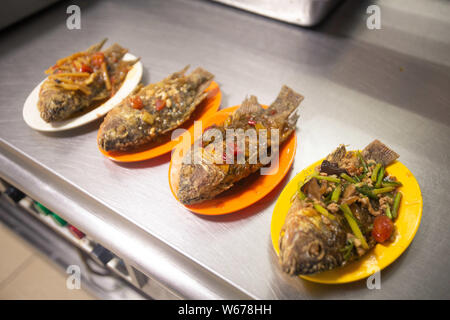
[(250, 106), (380, 153), (115, 50), (283, 111), (337, 155), (96, 47), (287, 101), (178, 74), (202, 78), (130, 63)]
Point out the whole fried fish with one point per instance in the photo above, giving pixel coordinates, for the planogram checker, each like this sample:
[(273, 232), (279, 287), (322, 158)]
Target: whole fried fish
[(198, 182), (317, 235), (154, 110), (79, 81)]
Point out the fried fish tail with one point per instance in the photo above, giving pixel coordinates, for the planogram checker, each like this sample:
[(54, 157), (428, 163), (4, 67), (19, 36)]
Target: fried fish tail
[(198, 80), (201, 79), (380, 153), (283, 111), (96, 47)]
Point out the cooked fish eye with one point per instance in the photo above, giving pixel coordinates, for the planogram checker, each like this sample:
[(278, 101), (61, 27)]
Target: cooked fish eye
[(315, 250)]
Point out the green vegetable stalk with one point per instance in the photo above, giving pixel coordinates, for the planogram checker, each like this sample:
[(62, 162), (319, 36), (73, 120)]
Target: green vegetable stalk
[(391, 184), (361, 159), (375, 172), (324, 211), (380, 178), (388, 211), (383, 190), (336, 193), (332, 179), (348, 178), (353, 225), (365, 190), (397, 199)]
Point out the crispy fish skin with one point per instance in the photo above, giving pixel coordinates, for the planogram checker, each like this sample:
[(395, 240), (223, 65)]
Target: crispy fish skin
[(57, 103), (337, 155), (203, 181), (309, 241), (163, 106)]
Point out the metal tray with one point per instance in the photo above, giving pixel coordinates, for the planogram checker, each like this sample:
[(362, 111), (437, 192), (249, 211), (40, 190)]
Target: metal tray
[(305, 13)]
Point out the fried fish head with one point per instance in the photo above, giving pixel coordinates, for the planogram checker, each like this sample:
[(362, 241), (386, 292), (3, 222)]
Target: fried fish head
[(200, 182), (123, 128), (58, 105), (309, 243)]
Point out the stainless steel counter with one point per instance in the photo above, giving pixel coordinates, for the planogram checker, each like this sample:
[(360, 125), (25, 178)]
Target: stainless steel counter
[(360, 84)]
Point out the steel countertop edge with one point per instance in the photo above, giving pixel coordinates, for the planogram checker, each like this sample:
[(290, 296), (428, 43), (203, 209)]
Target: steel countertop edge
[(337, 67), (183, 277)]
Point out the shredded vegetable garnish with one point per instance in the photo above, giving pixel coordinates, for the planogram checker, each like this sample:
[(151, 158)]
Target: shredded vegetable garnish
[(105, 76), (74, 73), (69, 74)]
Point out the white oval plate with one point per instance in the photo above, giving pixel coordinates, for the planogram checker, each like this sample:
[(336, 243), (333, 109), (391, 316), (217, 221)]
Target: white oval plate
[(33, 118)]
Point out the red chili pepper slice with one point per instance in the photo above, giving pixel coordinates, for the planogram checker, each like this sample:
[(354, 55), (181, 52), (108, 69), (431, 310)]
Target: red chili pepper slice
[(85, 68), (160, 104), (97, 59), (136, 103)]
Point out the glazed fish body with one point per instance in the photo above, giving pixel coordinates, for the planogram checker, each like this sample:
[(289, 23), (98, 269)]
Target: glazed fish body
[(77, 82), (313, 241), (154, 110), (205, 180)]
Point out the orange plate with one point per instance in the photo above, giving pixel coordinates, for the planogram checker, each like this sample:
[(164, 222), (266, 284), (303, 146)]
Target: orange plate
[(247, 191), (207, 108)]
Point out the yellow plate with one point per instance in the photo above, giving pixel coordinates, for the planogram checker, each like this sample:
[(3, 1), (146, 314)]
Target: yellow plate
[(382, 255)]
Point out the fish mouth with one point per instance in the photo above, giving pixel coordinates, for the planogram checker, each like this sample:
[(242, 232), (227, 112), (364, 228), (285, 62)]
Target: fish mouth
[(190, 201), (188, 194), (199, 182), (105, 143), (110, 143), (52, 110)]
